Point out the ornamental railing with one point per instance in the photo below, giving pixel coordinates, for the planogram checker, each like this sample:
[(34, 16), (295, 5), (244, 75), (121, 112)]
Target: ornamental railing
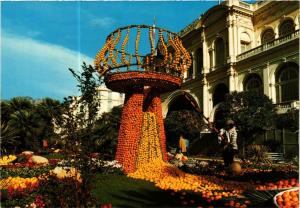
[(283, 105), (288, 104), (268, 46), (143, 48)]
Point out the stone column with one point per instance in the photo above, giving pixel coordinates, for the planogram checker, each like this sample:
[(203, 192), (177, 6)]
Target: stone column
[(297, 24), (235, 37), (194, 64), (232, 78), (230, 39), (205, 54), (205, 97), (269, 83), (266, 82)]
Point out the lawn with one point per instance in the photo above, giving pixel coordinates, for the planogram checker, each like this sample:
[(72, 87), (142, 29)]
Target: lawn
[(126, 192), (122, 191)]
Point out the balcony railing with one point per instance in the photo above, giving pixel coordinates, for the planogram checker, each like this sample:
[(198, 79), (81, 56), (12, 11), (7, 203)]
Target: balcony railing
[(244, 5), (285, 106), (268, 46)]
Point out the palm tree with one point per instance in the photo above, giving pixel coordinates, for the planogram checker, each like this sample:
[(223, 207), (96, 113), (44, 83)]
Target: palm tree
[(21, 103), (6, 110), (8, 138), (46, 111), (22, 122)]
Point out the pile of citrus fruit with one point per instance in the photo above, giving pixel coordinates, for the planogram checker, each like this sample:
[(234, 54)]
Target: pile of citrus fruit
[(152, 167), (288, 199), (285, 183)]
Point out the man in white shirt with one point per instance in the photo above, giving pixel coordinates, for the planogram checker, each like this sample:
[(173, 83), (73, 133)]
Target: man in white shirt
[(228, 138)]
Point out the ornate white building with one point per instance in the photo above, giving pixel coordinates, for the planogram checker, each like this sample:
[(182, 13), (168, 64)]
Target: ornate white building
[(109, 99), (238, 46)]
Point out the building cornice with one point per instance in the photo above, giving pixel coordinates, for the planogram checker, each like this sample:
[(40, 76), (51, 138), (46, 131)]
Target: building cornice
[(241, 11)]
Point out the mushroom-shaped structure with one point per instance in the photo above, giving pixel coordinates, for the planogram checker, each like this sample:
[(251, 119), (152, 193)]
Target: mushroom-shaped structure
[(142, 66)]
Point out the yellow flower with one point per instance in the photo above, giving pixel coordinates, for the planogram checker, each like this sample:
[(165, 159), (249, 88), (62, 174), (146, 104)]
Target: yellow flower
[(5, 160)]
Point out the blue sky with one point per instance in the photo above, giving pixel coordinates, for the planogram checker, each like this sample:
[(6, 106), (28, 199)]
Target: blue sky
[(41, 40)]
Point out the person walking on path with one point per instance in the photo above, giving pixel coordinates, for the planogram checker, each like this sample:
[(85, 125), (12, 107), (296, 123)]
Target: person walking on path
[(228, 138)]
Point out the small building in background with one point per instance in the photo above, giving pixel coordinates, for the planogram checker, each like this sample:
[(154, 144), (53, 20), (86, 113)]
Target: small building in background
[(109, 99)]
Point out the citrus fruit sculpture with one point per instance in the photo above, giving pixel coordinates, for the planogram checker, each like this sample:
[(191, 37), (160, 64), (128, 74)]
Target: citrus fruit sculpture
[(143, 69), (142, 62)]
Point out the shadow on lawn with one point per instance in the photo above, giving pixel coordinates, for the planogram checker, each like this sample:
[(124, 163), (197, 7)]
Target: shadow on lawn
[(147, 198)]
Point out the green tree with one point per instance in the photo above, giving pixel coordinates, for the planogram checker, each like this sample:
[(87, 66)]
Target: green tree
[(6, 110), (184, 122), (105, 131), (30, 120), (252, 113), (46, 110), (80, 113), (23, 122), (9, 138), (288, 120)]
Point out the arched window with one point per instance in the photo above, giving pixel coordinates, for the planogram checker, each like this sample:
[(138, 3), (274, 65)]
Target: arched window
[(267, 36), (286, 27), (253, 83), (219, 52), (199, 58), (219, 93), (245, 42), (287, 83)]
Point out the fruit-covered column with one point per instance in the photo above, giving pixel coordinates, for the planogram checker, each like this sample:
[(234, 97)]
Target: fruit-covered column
[(156, 107), (130, 129)]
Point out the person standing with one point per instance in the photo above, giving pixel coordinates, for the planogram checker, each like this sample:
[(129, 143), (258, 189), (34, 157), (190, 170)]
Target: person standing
[(182, 145), (228, 138)]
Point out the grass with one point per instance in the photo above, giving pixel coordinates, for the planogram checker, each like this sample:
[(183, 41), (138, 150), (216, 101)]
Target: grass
[(122, 191)]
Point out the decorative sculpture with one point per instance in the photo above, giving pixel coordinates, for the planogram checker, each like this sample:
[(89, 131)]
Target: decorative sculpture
[(142, 67)]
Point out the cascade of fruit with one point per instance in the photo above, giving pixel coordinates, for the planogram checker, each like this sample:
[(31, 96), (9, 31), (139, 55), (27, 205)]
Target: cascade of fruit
[(151, 166), (149, 148)]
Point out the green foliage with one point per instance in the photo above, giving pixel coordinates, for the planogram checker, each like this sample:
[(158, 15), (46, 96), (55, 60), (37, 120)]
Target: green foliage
[(251, 112), (80, 113), (185, 122), (289, 120), (25, 172), (105, 131), (258, 154), (9, 137), (25, 122), (55, 156)]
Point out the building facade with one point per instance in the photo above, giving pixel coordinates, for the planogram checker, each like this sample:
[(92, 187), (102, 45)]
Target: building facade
[(238, 46), (109, 99)]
